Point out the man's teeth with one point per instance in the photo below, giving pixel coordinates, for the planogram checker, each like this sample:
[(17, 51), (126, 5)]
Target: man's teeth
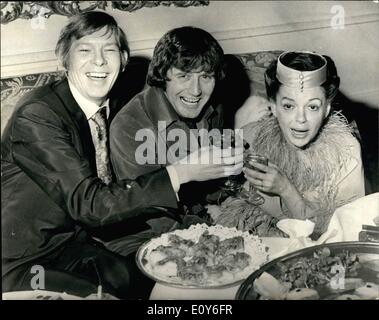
[(189, 100), (96, 74)]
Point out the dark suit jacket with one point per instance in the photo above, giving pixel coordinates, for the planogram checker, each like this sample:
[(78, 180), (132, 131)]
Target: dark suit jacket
[(50, 189)]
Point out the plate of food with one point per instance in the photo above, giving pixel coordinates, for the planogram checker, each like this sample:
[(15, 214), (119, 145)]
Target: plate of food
[(52, 295), (39, 295), (202, 256), (335, 271)]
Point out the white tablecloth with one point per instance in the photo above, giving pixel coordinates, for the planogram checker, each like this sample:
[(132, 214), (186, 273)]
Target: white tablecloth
[(347, 220)]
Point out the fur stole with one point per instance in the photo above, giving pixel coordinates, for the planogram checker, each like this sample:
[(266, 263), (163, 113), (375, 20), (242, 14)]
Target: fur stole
[(314, 170)]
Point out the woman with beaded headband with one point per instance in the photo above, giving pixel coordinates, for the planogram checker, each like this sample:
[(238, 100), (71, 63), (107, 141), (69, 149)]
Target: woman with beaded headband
[(314, 163)]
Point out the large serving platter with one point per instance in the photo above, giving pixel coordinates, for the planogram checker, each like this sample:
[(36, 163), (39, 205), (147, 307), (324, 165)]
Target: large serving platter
[(253, 246), (366, 251)]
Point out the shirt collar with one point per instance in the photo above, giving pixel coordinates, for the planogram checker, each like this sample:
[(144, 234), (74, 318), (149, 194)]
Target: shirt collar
[(166, 112), (88, 107)]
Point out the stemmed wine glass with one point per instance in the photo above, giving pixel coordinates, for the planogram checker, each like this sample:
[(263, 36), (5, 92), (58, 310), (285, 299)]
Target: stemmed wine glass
[(252, 196), (232, 184)]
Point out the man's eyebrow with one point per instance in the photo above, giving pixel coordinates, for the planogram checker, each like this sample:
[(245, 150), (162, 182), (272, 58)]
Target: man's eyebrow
[(202, 72), (175, 72), (90, 43)]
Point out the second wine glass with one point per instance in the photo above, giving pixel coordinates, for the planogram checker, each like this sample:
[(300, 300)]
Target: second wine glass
[(252, 196)]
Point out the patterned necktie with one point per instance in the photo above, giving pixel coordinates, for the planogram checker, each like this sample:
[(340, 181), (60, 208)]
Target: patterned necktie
[(98, 126)]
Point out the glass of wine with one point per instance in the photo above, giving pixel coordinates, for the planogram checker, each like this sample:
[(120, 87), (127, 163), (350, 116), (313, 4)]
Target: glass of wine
[(252, 196), (232, 184)]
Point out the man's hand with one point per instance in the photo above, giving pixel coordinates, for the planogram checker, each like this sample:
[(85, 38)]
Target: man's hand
[(209, 163)]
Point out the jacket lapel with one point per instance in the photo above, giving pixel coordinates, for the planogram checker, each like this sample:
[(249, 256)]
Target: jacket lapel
[(79, 121)]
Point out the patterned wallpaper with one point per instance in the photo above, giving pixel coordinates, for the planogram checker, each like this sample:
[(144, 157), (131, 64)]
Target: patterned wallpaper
[(12, 10)]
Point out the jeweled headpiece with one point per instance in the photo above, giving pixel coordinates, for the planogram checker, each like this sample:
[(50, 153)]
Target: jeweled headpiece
[(300, 79)]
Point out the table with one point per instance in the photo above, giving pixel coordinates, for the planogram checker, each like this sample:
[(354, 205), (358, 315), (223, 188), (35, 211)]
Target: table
[(165, 292)]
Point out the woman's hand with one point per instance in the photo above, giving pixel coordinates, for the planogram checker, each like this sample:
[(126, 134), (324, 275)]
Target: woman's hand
[(269, 179), (272, 180)]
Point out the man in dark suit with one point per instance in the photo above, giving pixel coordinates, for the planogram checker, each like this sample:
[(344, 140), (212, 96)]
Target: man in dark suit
[(57, 185), (53, 190)]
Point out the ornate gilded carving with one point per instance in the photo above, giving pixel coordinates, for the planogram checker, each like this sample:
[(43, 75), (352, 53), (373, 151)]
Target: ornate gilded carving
[(12, 10)]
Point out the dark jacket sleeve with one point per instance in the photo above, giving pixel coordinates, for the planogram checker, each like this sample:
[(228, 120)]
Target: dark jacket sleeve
[(133, 142), (44, 147)]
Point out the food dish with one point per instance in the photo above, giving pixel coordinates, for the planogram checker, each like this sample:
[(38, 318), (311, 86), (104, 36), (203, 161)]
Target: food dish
[(202, 257), (39, 295), (335, 271), (52, 295)]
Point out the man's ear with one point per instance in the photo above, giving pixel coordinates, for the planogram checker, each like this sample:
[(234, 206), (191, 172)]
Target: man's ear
[(124, 60), (60, 65)]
